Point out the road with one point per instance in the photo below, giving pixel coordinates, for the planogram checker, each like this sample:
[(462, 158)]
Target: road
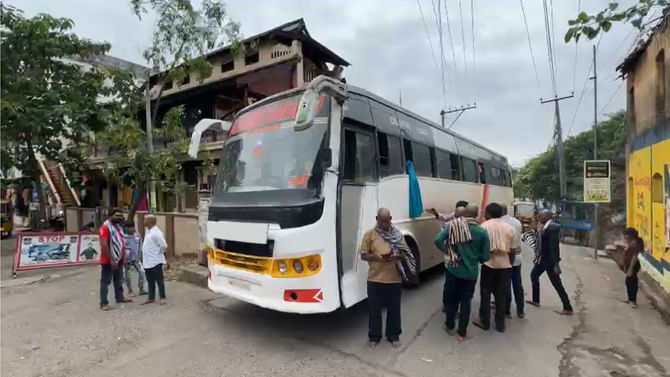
[(54, 328)]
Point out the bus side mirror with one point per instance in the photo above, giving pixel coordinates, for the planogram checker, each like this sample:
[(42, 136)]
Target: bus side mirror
[(306, 109)]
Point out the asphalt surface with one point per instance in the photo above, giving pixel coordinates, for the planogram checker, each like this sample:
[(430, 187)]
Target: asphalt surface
[(52, 327)]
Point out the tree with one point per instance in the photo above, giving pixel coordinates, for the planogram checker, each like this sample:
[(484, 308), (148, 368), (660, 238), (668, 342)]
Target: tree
[(538, 179), (181, 39), (592, 25), (45, 100)]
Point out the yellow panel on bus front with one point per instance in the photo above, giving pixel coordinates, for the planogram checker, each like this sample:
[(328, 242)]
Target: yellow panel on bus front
[(276, 267), (640, 169)]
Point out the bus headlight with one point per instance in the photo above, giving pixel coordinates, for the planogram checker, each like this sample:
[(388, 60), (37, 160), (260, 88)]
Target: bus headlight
[(300, 267), (281, 267), (297, 266), (313, 263)]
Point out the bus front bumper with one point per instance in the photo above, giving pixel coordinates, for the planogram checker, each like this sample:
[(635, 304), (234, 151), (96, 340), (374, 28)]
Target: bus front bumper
[(292, 295)]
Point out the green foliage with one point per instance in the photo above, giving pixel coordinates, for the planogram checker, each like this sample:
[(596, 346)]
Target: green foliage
[(183, 36), (538, 178), (592, 25), (45, 99)]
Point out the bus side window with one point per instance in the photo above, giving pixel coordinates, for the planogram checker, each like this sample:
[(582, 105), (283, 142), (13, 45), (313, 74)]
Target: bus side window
[(469, 170), (358, 157), (455, 167), (444, 161), (390, 155), (423, 161), (482, 173), (407, 146)]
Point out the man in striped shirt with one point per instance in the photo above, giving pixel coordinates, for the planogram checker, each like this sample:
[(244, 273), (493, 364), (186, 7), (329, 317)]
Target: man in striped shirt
[(112, 246)]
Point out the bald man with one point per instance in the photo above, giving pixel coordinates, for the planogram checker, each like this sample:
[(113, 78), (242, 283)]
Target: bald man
[(153, 259), (381, 249)]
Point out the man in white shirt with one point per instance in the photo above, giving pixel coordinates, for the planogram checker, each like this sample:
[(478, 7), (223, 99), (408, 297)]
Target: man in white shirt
[(517, 287), (153, 258)]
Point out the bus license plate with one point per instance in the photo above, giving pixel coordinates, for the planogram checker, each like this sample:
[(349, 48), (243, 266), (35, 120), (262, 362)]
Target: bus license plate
[(239, 284)]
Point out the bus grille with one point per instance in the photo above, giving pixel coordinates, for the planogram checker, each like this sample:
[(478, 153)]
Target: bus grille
[(249, 263)]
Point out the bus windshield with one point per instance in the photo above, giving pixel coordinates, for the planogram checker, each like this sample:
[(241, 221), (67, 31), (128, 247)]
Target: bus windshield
[(265, 153)]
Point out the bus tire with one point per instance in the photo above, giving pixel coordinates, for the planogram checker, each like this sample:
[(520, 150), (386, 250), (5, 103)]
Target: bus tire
[(417, 255)]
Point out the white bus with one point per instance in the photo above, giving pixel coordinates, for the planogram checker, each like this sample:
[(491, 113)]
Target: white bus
[(301, 177)]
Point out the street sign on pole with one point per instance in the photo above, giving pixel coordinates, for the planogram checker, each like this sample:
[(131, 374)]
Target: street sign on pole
[(597, 175)]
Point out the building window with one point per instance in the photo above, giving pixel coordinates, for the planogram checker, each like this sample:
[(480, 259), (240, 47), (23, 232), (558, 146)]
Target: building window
[(251, 58), (186, 80), (657, 188), (228, 66), (660, 87), (423, 161), (167, 85), (390, 155), (469, 169)]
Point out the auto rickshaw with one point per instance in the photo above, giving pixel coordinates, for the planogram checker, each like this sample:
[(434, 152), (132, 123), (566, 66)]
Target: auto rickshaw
[(6, 218), (525, 212)]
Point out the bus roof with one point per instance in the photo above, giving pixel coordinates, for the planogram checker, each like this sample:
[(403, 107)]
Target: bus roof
[(406, 112)]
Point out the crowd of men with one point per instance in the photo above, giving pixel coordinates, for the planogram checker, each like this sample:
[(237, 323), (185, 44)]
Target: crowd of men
[(494, 242), (124, 252)]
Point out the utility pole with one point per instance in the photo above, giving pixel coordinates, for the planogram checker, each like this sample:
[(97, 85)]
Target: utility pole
[(595, 145), (459, 110), (150, 140), (558, 132)]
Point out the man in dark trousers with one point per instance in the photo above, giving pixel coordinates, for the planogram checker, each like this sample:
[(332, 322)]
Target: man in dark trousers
[(381, 249), (547, 258), (112, 246), (465, 245)]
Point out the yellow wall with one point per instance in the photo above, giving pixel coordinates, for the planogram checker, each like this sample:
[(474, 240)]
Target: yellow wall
[(660, 153), (639, 165)]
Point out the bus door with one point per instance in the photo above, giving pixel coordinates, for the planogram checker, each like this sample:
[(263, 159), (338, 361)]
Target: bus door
[(357, 207)]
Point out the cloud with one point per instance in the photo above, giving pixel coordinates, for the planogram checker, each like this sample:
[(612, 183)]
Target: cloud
[(386, 43)]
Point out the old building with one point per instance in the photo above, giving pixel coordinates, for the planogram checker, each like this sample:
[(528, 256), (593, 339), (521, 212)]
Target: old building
[(276, 60), (647, 73)]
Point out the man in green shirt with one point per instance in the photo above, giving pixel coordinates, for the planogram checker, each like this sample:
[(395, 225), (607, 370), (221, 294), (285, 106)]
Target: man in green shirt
[(465, 245)]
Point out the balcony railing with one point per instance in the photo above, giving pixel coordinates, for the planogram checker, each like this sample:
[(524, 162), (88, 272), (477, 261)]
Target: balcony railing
[(209, 138)]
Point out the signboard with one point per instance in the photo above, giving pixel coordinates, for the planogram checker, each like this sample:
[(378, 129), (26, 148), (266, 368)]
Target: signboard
[(51, 249), (597, 175)]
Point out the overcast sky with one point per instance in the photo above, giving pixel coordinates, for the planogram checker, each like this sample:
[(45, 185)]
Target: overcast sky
[(386, 43)]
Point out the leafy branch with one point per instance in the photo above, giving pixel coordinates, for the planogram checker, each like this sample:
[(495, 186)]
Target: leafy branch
[(592, 25)]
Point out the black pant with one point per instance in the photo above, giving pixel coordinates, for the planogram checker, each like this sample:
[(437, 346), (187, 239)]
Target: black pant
[(155, 277), (517, 288), (381, 295), (108, 276), (458, 295), (555, 279), (631, 288), (494, 281)]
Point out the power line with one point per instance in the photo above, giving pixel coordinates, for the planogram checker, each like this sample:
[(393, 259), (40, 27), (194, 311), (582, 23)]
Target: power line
[(574, 67), (451, 42), (472, 29), (465, 65), (425, 26), (611, 97), (438, 19), (553, 38), (550, 52), (530, 47), (581, 95)]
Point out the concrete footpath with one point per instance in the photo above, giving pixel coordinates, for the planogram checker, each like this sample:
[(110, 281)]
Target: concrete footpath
[(52, 327)]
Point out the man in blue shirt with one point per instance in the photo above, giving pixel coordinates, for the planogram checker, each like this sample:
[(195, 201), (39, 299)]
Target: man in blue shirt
[(132, 260)]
